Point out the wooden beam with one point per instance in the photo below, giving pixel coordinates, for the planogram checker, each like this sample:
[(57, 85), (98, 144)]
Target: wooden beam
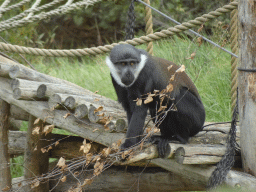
[(36, 161), (247, 83), (5, 173)]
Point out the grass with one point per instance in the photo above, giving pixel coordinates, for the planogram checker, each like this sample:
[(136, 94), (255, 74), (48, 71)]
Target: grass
[(210, 70)]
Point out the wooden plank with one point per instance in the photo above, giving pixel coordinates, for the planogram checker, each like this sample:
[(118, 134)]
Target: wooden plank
[(247, 84), (5, 173)]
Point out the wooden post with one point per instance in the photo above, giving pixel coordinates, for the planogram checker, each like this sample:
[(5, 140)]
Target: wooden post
[(5, 173), (247, 84), (35, 162)]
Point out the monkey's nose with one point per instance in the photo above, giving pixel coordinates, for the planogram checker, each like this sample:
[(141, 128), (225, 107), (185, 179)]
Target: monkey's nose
[(127, 78)]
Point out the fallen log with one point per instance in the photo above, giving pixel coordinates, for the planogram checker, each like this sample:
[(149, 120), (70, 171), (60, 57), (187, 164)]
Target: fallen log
[(4, 69), (25, 94)]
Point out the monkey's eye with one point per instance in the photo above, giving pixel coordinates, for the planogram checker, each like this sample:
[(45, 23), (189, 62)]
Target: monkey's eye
[(123, 64), (131, 63)]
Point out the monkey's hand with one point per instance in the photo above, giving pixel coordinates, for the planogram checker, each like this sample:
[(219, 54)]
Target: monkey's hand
[(163, 146)]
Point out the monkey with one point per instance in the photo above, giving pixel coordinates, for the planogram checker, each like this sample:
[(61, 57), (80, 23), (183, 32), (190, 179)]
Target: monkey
[(135, 73)]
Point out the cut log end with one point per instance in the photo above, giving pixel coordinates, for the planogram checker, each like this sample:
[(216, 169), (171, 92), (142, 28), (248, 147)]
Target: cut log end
[(81, 111), (121, 125), (14, 71), (70, 103), (179, 155), (54, 102), (41, 90), (93, 117)]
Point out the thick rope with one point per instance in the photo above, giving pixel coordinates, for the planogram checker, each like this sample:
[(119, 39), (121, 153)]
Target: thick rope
[(34, 6), (136, 41), (3, 10), (149, 26), (14, 22), (234, 61), (4, 4)]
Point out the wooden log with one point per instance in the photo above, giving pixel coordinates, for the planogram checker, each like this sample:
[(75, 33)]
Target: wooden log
[(36, 161), (22, 83), (200, 175), (4, 69), (74, 100), (121, 125), (18, 113), (47, 90), (247, 83), (25, 94), (5, 173), (199, 154), (62, 145), (81, 111), (56, 101)]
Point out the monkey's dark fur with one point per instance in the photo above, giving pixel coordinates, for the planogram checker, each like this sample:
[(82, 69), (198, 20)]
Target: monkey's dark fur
[(134, 74)]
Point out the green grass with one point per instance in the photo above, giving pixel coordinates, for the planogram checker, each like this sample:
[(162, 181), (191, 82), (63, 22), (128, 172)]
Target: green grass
[(210, 70)]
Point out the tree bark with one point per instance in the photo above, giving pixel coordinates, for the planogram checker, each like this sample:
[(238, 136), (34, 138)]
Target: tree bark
[(247, 84), (5, 173)]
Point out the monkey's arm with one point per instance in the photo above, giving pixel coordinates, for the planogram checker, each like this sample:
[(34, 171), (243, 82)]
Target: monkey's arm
[(135, 128)]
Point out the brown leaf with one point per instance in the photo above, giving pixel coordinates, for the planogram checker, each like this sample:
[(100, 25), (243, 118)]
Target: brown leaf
[(96, 165), (96, 91), (169, 68), (100, 108), (43, 150), (148, 100), (192, 56), (156, 91), (88, 158), (63, 179), (161, 108), (37, 121), (199, 41), (65, 116), (181, 69), (7, 188), (96, 129), (57, 143), (201, 28), (139, 102), (119, 142), (36, 131), (87, 182), (96, 99), (106, 151), (169, 88), (35, 184), (62, 163), (48, 129), (172, 78)]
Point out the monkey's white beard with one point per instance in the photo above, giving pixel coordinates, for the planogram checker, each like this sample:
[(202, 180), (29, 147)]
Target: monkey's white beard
[(113, 71)]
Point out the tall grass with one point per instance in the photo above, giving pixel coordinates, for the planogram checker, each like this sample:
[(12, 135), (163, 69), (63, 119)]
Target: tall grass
[(209, 69)]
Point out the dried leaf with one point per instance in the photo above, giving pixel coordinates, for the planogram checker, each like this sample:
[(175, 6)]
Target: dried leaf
[(43, 150), (141, 145), (161, 108), (225, 26), (96, 158), (62, 163), (35, 148), (96, 129), (156, 91), (181, 69), (87, 182), (201, 28), (106, 128), (57, 143), (192, 56), (36, 131), (96, 99), (63, 179), (100, 108), (106, 152), (169, 88), (169, 68), (96, 91), (49, 148), (7, 188), (35, 184), (48, 129), (65, 116), (148, 100), (37, 121), (172, 78), (139, 102), (119, 142), (101, 115), (88, 158), (199, 41)]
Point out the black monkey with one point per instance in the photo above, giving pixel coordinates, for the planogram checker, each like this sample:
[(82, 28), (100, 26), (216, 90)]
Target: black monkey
[(135, 73)]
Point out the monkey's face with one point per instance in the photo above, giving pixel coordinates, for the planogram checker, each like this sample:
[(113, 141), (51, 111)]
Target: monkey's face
[(126, 71), (125, 63)]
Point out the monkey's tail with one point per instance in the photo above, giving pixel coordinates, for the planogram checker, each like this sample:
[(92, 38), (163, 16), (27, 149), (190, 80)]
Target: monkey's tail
[(227, 161)]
